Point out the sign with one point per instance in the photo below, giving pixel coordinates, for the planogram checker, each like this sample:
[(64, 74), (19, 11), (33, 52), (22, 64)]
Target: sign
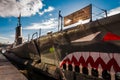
[(79, 15)]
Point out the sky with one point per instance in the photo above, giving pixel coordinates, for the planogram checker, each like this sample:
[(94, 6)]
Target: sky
[(43, 14)]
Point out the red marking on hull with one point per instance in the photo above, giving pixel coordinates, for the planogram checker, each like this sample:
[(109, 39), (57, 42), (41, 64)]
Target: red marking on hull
[(110, 36), (94, 64)]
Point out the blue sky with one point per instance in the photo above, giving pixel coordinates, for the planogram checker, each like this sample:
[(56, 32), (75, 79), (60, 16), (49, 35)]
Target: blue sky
[(43, 14)]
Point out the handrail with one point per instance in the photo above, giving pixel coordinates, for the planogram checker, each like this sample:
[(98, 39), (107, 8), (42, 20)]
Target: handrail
[(36, 33)]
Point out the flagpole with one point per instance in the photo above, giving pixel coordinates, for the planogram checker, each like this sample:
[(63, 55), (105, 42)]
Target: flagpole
[(39, 32), (28, 37), (91, 13), (105, 11), (61, 23), (59, 20)]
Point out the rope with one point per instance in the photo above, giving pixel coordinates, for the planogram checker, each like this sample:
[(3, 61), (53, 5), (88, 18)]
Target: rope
[(100, 14), (98, 7)]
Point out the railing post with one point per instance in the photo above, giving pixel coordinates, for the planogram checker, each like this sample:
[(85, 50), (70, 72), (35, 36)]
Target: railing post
[(36, 33)]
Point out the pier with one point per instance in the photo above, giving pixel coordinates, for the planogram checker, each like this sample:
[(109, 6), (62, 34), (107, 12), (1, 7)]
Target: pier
[(9, 71)]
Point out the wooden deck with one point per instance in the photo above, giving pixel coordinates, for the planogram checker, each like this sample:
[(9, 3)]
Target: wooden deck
[(8, 71)]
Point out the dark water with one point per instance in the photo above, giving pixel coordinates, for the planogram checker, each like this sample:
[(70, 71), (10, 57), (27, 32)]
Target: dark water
[(31, 75)]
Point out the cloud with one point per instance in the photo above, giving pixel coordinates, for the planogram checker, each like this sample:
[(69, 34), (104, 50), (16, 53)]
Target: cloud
[(49, 9), (14, 7), (114, 11), (50, 14), (109, 13), (8, 39), (47, 24), (3, 38), (12, 36)]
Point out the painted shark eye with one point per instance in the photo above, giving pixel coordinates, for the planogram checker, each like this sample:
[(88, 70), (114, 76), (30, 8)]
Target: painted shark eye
[(77, 69), (70, 67), (85, 70)]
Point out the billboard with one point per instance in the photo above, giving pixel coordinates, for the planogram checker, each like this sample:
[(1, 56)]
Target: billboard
[(82, 14)]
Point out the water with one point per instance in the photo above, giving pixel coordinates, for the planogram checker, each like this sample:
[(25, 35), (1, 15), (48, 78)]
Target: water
[(32, 75)]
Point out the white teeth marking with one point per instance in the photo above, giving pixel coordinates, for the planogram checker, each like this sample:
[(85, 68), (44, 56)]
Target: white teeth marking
[(85, 55), (105, 57), (77, 55), (117, 58), (99, 66), (70, 56), (89, 65), (112, 70), (95, 55)]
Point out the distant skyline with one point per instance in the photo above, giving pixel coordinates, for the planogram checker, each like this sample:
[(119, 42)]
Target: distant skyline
[(43, 14)]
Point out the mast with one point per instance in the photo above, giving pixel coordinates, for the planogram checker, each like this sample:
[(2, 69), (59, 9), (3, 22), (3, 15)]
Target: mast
[(60, 21), (19, 20), (18, 37), (91, 12)]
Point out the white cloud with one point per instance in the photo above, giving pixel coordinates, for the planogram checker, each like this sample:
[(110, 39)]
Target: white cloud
[(14, 7), (114, 11), (47, 24), (50, 8), (4, 38), (12, 36), (110, 12), (50, 14)]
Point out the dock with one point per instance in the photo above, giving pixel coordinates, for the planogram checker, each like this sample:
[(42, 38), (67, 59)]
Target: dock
[(9, 71)]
